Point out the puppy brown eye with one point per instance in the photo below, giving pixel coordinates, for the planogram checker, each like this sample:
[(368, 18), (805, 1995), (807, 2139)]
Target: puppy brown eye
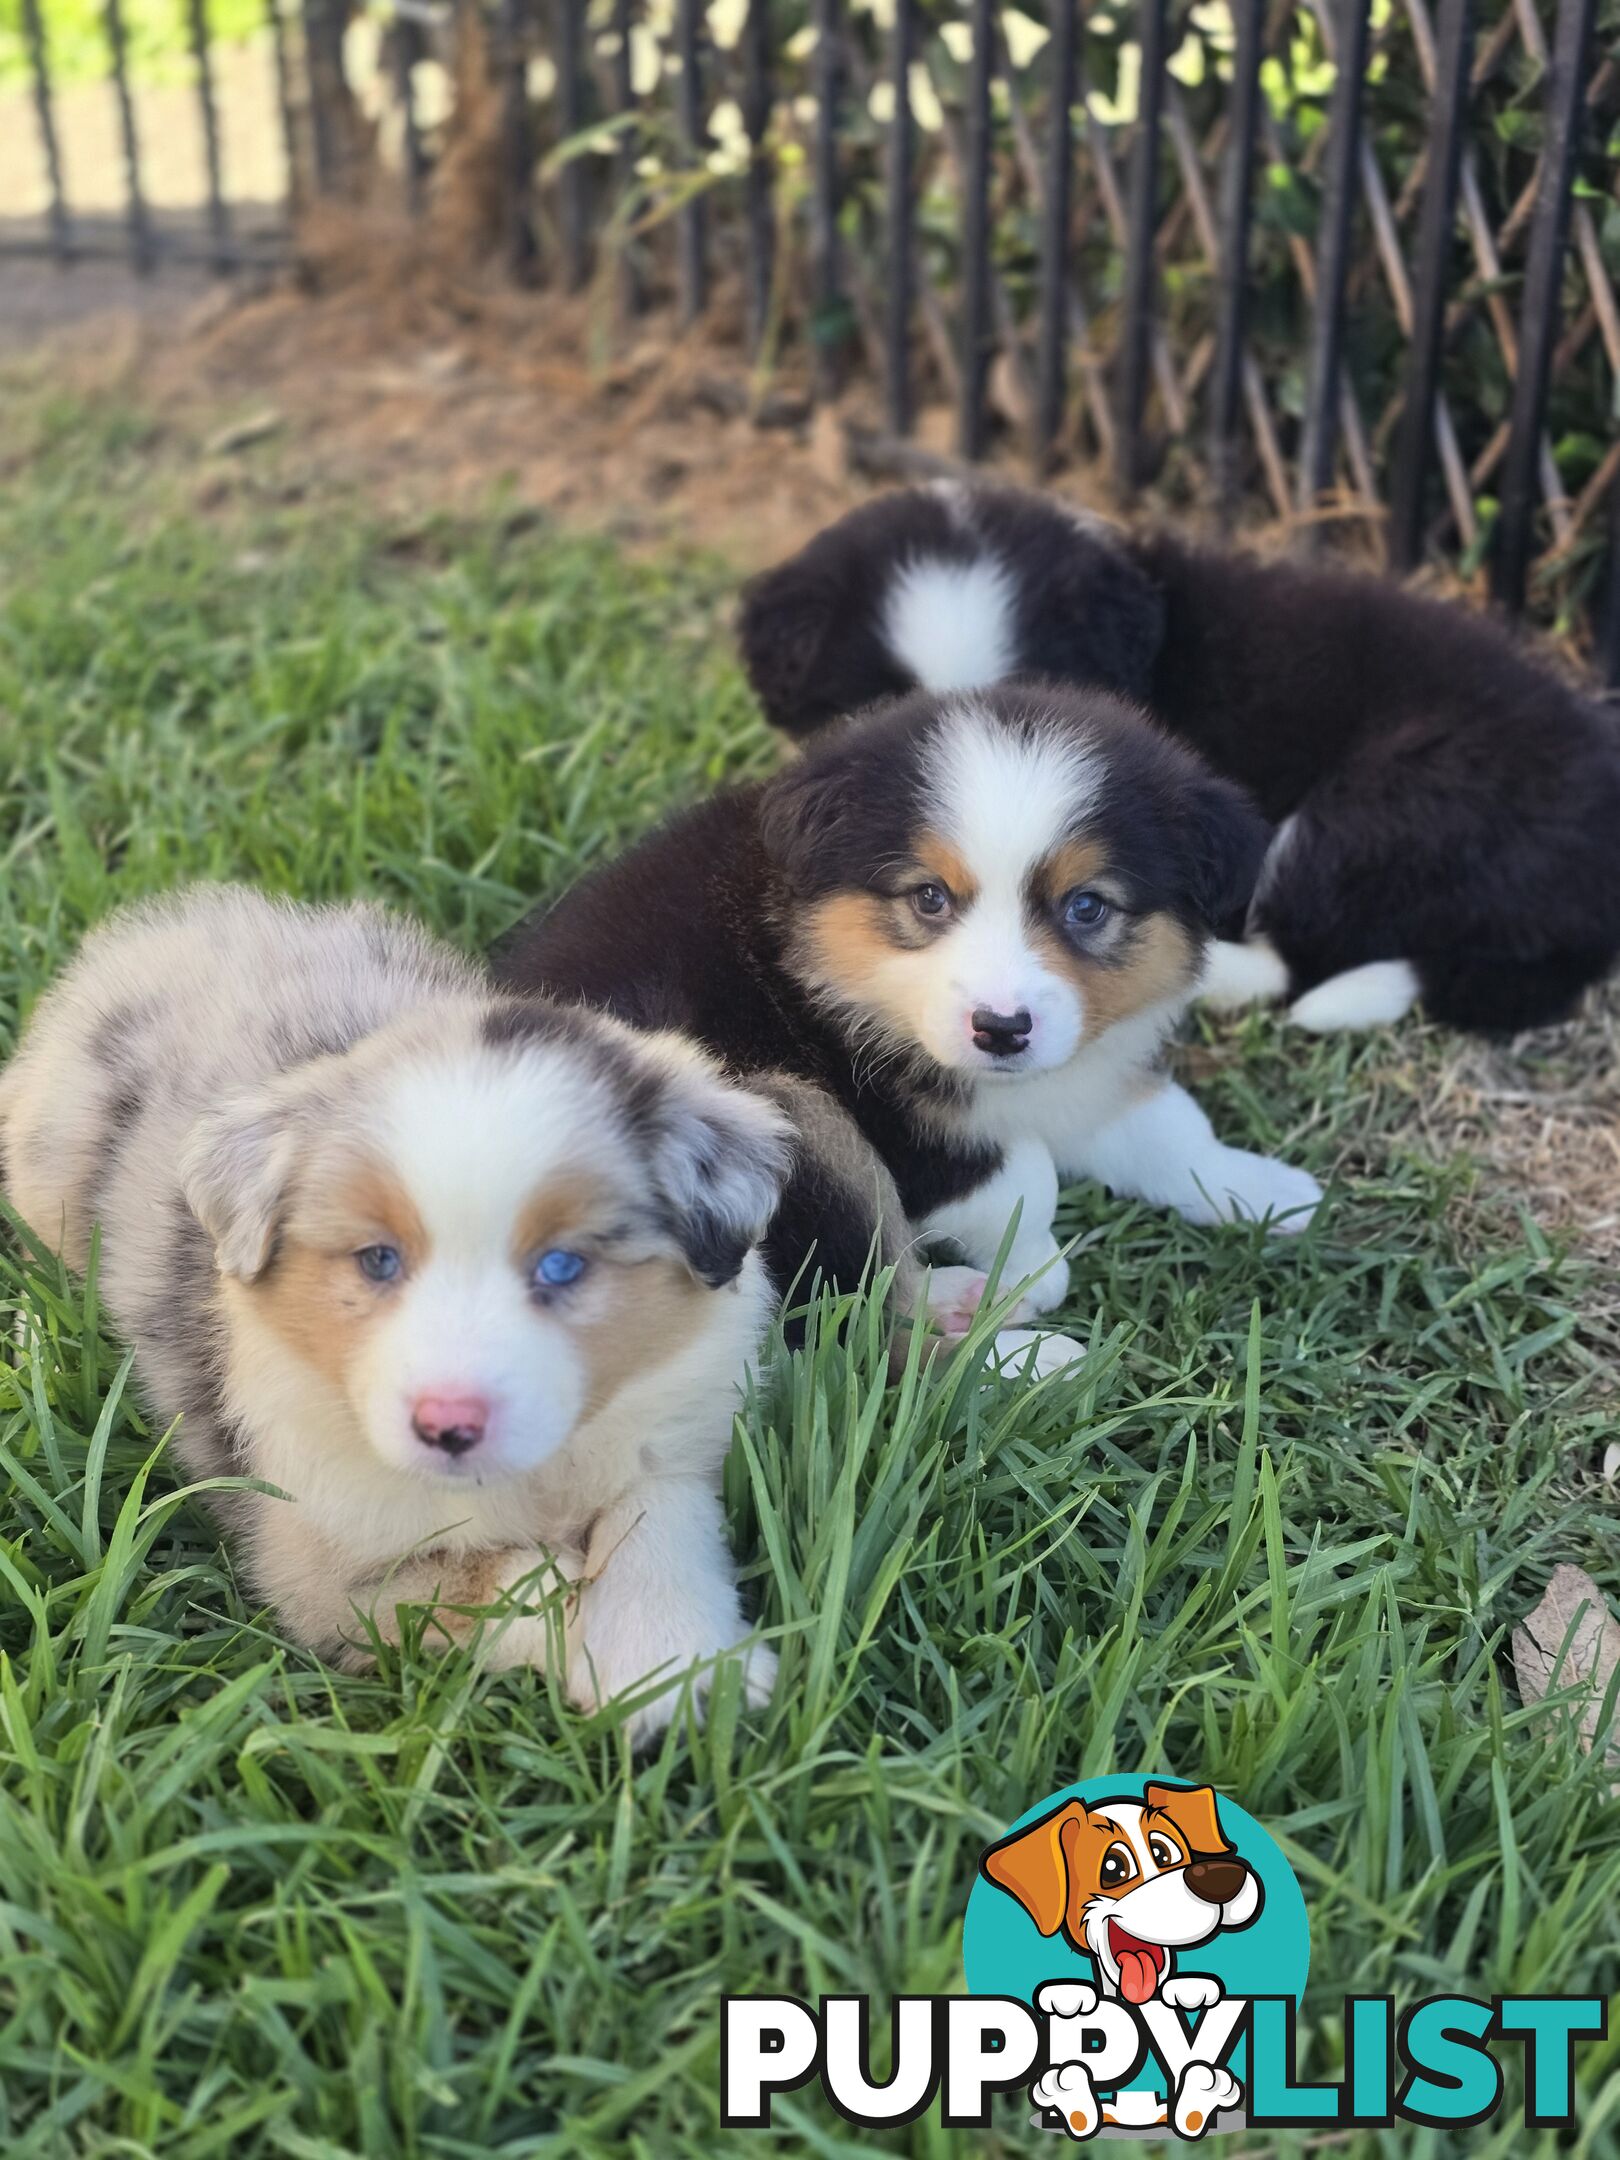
[(931, 899), (1117, 1867), (1164, 1855)]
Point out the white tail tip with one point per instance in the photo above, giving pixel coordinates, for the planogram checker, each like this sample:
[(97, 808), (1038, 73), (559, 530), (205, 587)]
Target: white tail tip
[(1253, 973), (1361, 997)]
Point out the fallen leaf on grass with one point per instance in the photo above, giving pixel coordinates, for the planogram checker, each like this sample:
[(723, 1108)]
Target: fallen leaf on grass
[(1571, 1641), (243, 434)]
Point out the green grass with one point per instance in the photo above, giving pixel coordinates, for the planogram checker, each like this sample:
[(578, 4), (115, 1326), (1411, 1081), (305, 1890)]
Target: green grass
[(158, 33), (1273, 1537)]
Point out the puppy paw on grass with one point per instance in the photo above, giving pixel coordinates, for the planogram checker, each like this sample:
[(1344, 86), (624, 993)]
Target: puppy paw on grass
[(591, 1687), (1255, 1188), (953, 1300)]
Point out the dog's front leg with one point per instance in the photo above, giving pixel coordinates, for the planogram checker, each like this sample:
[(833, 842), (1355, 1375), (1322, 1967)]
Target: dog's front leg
[(1026, 1185), (331, 1601), (659, 1596), (1164, 1150)]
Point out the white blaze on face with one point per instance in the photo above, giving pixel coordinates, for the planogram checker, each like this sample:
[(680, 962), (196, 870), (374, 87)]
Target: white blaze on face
[(1157, 1910), (470, 1142), (1004, 800), (951, 625)]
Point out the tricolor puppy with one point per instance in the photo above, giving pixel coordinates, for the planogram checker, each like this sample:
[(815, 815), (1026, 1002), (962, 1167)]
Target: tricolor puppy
[(473, 1279), (966, 925), (1130, 1882), (1446, 806)]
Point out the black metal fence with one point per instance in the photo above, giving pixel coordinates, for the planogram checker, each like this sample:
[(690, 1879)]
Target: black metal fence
[(1347, 260)]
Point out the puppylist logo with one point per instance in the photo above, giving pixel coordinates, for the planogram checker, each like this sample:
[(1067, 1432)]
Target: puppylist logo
[(1136, 1951)]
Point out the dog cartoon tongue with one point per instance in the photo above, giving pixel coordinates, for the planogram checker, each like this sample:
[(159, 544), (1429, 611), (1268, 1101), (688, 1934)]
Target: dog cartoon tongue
[(1139, 1965)]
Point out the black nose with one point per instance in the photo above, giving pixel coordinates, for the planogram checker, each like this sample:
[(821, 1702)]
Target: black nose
[(1217, 1882), (1003, 1033), (448, 1439)]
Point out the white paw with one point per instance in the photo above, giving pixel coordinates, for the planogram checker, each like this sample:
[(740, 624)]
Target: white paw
[(591, 1683), (1066, 1999), (1045, 1287), (1202, 2093), (1067, 2087), (1239, 1187), (954, 1296), (1191, 1991), (1029, 1354)]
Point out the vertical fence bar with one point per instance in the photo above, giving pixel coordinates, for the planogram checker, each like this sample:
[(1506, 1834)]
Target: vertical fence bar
[(284, 103), (407, 50), (1538, 310), (219, 221), (693, 227), (1608, 624), (39, 67), (1237, 182), (624, 100), (571, 174), (517, 143), (407, 39), (976, 330), (140, 225), (317, 71), (827, 293), (758, 205), (1137, 307), (901, 212), (1052, 330), (1453, 61), (1320, 435)]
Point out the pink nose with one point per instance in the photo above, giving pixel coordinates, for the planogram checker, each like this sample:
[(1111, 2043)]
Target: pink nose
[(451, 1423)]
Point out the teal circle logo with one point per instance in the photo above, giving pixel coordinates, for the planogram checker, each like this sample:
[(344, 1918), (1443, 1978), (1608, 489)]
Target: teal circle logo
[(1142, 1891)]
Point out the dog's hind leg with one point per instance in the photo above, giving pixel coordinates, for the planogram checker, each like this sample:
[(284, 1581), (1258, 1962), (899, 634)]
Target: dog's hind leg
[(1164, 1150)]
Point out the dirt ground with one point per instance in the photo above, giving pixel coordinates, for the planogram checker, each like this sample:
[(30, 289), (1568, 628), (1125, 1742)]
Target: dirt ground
[(385, 378), (387, 368)]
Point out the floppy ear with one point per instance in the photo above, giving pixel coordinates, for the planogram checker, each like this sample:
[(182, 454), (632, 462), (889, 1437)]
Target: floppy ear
[(235, 1170), (803, 814), (1033, 1866), (782, 626), (1194, 1812), (1226, 839), (720, 1157)]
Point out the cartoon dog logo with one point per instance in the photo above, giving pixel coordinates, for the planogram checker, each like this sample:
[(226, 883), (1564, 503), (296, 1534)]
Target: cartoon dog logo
[(1128, 1883)]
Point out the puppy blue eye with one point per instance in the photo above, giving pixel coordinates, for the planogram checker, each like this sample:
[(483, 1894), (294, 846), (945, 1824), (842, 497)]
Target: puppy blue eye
[(930, 899), (1084, 910), (378, 1263), (556, 1269)]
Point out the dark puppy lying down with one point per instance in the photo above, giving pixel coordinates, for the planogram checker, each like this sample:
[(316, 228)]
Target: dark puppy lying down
[(1448, 810), (953, 939)]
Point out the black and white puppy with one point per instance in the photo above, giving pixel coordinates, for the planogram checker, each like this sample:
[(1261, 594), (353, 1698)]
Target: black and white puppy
[(966, 925), (1447, 807)]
